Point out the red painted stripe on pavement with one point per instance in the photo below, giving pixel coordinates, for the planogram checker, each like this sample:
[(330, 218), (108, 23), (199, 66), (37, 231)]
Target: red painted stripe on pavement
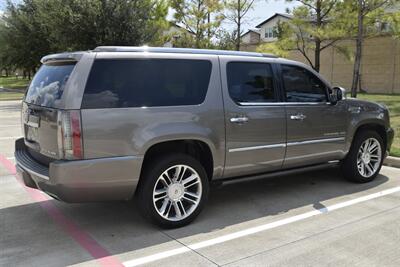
[(102, 256)]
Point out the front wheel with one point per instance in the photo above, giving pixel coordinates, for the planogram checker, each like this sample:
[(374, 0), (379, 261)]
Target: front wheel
[(173, 191), (365, 157)]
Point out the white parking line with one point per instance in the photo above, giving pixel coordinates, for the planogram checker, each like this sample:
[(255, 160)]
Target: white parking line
[(9, 137), (257, 229), (10, 125)]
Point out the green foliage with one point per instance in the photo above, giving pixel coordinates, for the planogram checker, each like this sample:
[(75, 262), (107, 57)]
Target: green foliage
[(235, 12), (201, 18), (35, 28), (393, 20), (315, 26), (225, 40), (12, 82)]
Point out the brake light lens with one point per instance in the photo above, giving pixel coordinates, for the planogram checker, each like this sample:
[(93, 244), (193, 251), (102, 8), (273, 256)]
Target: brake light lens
[(70, 135)]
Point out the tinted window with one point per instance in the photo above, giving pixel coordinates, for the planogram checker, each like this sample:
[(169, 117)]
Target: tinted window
[(115, 83), (48, 84), (302, 86), (250, 82)]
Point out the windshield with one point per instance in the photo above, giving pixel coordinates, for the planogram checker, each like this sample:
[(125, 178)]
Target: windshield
[(48, 84)]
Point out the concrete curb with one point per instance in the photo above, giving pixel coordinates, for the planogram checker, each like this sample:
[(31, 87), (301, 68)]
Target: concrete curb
[(392, 162)]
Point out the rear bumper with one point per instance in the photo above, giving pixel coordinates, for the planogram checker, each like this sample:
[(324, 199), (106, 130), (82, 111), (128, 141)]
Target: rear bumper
[(104, 179)]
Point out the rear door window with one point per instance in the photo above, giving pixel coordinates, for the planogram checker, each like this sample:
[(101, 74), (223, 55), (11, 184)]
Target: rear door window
[(48, 85), (119, 83)]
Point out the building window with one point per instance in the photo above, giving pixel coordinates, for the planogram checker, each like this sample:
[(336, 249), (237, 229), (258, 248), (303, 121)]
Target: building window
[(270, 33)]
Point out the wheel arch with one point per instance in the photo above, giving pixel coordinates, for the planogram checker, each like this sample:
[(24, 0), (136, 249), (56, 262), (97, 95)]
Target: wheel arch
[(196, 148), (376, 126)]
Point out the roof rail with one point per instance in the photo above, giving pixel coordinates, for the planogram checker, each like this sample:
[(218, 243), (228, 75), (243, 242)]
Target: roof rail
[(179, 50)]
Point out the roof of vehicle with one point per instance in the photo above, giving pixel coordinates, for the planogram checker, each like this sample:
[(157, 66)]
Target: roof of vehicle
[(75, 56), (179, 50)]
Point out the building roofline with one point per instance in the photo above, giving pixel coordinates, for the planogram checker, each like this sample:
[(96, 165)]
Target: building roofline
[(249, 30), (273, 16)]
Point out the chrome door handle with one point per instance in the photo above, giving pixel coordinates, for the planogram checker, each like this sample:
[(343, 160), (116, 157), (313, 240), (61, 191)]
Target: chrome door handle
[(298, 117), (239, 119)]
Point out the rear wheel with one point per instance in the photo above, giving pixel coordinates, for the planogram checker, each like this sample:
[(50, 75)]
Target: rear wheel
[(365, 157), (173, 191)]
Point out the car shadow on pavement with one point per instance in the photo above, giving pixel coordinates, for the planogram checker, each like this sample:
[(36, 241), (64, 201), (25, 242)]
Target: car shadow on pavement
[(119, 228)]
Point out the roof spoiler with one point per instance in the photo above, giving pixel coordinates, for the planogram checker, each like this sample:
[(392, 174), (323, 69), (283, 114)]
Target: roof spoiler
[(62, 57)]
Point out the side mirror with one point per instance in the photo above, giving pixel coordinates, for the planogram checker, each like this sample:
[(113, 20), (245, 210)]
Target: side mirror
[(337, 94)]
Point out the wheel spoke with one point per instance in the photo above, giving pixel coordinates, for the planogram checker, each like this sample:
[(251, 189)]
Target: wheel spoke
[(164, 206), (160, 194), (165, 179), (189, 199), (362, 168), (370, 170), (193, 195), (372, 147), (178, 213), (180, 172), (180, 205), (366, 145), (190, 179), (375, 158)]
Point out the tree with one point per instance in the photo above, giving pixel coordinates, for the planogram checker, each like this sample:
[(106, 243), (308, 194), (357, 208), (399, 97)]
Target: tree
[(225, 40), (315, 26), (200, 17), (236, 11), (393, 20), (34, 28), (366, 13)]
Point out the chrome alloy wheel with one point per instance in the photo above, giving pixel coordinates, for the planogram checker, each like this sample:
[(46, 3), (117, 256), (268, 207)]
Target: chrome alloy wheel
[(177, 192), (369, 157)]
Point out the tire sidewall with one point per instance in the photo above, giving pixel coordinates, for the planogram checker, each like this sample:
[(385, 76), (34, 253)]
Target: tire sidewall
[(149, 179)]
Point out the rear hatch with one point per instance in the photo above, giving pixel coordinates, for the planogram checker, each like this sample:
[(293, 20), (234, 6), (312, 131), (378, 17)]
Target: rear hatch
[(41, 111)]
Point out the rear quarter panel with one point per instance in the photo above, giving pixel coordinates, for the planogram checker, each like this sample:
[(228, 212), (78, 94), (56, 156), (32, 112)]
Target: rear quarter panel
[(132, 131)]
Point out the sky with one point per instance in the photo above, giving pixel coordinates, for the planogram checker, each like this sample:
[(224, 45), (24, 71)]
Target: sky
[(262, 10)]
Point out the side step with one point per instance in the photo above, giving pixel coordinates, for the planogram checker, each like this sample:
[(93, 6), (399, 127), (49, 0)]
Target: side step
[(330, 164)]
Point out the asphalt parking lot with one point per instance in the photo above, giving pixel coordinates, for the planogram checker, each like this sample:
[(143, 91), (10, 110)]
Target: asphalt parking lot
[(315, 219)]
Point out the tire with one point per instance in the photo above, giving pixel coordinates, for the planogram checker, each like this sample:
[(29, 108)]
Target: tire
[(359, 168), (168, 203)]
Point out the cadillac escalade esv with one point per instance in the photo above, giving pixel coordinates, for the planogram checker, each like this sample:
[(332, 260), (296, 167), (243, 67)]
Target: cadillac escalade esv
[(161, 124)]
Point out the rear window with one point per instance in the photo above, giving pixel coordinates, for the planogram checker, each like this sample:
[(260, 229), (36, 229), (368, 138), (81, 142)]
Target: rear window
[(119, 83), (48, 84)]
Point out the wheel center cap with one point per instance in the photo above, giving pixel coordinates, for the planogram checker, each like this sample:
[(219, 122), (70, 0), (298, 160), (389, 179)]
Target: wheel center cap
[(366, 158), (175, 191)]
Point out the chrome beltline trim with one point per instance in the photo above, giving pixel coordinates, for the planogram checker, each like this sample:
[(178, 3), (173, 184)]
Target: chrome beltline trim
[(316, 141), (308, 142), (284, 103), (256, 147)]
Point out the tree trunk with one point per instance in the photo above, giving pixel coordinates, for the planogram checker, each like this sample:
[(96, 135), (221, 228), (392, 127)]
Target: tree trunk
[(317, 54), (358, 56), (238, 26), (317, 60), (208, 29)]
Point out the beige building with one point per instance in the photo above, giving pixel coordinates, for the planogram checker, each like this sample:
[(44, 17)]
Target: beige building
[(174, 32), (380, 68)]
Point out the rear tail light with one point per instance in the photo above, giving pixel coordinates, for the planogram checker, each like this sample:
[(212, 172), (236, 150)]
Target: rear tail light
[(70, 135)]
